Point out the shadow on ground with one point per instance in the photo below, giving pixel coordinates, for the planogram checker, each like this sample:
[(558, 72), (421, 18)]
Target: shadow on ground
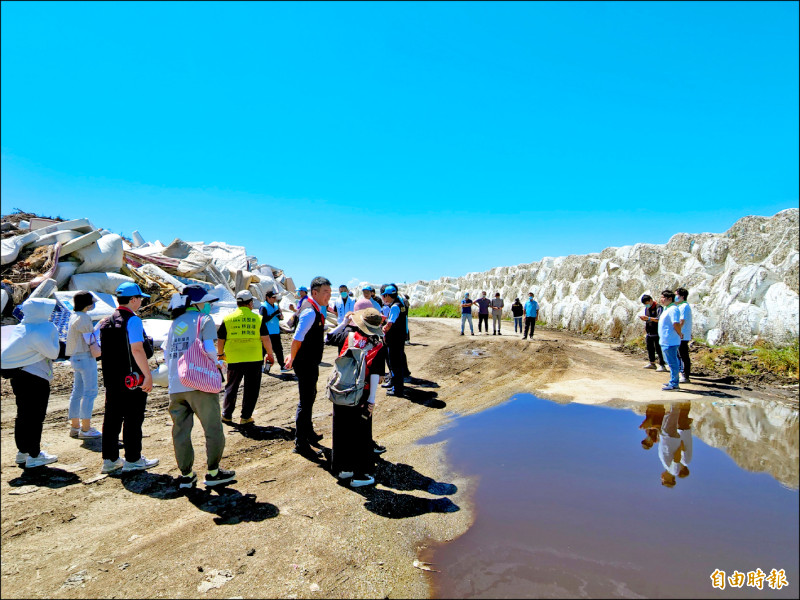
[(261, 433), (231, 506), (403, 477), (49, 477), (424, 397)]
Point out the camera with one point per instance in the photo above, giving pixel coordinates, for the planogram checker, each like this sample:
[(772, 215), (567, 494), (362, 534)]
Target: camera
[(133, 380)]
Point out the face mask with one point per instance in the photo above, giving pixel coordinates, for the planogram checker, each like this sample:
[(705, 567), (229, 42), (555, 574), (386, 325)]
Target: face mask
[(206, 310), (344, 294)]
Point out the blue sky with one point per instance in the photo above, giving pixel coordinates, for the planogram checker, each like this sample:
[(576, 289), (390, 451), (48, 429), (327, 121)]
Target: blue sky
[(401, 141)]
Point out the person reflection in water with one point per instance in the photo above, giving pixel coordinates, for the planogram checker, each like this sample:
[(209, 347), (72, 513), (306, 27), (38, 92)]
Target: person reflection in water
[(653, 419), (675, 444)]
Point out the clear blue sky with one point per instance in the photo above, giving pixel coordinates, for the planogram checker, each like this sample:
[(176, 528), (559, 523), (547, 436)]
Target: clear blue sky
[(396, 142)]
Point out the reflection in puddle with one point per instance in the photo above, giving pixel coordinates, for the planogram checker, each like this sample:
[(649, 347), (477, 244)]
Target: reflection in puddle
[(589, 501)]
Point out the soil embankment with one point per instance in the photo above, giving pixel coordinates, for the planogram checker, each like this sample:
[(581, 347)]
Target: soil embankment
[(286, 528)]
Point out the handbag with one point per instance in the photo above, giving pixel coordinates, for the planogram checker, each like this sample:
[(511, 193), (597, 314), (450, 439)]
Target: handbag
[(94, 346), (196, 369)]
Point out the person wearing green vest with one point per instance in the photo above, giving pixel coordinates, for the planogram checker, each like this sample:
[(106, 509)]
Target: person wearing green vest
[(239, 341)]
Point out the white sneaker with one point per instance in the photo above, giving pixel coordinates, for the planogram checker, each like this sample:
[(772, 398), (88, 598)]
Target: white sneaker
[(21, 458), (660, 369), (682, 378), (73, 432), (139, 465), (43, 459), (649, 366), (363, 480), (109, 466), (90, 433), (345, 475)]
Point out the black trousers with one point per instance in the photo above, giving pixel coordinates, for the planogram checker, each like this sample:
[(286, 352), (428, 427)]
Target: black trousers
[(398, 365), (654, 347), (307, 376), (251, 373), (277, 348), (530, 324), (32, 394), (124, 412), (352, 440), (683, 358), (485, 320)]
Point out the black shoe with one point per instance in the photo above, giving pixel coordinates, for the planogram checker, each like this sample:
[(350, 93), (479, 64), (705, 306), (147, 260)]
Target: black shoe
[(314, 436), (378, 449), (498, 333), (187, 481), (462, 333), (221, 477)]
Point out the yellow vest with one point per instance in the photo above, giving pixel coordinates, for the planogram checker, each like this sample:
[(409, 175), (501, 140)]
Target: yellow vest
[(243, 343)]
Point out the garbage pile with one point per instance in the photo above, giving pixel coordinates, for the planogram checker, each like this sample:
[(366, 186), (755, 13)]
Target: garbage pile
[(55, 258)]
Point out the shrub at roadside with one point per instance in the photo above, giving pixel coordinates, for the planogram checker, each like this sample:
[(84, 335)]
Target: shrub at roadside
[(782, 361), (452, 311)]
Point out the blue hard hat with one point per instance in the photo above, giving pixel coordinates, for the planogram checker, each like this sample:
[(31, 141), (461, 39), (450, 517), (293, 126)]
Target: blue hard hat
[(389, 289), (302, 288), (129, 289), (368, 287)]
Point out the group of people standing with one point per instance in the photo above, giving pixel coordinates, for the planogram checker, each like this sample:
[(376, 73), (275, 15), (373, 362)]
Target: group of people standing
[(668, 331), (530, 311), (245, 345)]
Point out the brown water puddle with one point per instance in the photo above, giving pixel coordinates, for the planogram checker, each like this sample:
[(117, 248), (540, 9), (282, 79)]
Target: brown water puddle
[(570, 503)]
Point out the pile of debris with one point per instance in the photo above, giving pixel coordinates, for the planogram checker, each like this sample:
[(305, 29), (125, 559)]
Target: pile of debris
[(54, 258)]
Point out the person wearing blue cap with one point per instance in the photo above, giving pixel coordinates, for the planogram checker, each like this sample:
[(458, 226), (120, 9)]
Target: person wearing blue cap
[(466, 313), (125, 349), (302, 293), (395, 333)]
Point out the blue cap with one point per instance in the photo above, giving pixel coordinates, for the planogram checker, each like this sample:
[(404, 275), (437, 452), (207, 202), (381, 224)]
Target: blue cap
[(128, 289), (390, 289), (466, 294), (302, 288), (368, 287)]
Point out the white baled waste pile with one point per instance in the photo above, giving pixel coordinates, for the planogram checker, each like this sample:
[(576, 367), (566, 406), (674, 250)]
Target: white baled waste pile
[(743, 283), (46, 257)]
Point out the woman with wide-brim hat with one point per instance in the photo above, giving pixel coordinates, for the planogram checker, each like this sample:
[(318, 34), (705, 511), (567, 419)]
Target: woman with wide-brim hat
[(353, 452)]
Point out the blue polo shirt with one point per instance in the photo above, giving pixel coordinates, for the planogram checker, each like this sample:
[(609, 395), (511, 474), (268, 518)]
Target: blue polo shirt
[(273, 325), (394, 313), (466, 310), (666, 332), (531, 308)]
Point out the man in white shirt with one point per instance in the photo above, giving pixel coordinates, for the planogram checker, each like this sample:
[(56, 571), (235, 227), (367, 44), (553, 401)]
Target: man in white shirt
[(344, 304)]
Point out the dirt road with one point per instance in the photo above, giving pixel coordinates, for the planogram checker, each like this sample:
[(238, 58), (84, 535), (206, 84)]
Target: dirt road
[(286, 528)]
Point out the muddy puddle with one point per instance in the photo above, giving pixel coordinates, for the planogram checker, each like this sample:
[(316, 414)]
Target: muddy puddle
[(627, 501)]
